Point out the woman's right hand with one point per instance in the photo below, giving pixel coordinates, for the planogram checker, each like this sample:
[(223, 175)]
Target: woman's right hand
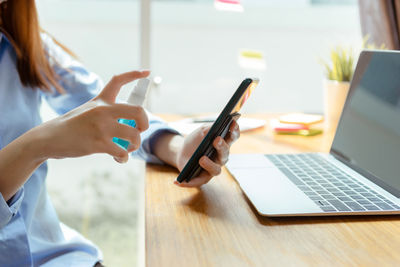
[(91, 127), (85, 130)]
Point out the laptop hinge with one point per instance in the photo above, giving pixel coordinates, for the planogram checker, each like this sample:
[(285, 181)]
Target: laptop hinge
[(340, 156)]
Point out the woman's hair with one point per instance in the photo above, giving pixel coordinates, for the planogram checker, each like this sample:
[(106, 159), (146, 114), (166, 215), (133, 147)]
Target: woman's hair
[(19, 22)]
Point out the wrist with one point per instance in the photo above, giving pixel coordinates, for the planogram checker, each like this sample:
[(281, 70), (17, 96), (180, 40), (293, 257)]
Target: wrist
[(167, 148), (18, 160), (36, 146), (176, 145)]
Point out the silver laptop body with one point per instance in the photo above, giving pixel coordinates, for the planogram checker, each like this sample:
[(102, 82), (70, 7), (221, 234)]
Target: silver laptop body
[(361, 173)]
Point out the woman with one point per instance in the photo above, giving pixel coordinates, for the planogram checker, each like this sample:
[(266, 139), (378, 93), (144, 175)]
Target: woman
[(34, 66)]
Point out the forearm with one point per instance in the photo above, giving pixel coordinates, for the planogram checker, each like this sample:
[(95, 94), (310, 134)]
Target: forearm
[(18, 160), (167, 146)]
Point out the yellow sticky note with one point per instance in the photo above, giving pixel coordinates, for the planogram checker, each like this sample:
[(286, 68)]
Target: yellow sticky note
[(251, 59), (252, 54), (301, 118)]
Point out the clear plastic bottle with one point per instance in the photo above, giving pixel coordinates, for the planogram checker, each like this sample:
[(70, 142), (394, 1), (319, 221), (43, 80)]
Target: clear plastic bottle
[(136, 97)]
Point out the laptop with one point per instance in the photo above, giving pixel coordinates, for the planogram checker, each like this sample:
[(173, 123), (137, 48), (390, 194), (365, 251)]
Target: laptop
[(361, 173)]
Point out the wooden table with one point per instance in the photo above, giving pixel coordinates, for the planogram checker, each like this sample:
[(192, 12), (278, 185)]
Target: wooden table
[(217, 225)]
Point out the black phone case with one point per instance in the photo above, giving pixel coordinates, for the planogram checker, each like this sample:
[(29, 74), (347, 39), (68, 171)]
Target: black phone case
[(219, 128), (210, 151)]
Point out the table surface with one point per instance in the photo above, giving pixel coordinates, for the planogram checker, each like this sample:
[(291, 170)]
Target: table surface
[(216, 225)]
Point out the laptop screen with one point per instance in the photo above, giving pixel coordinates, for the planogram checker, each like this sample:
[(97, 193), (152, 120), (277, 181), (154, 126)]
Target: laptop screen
[(368, 135)]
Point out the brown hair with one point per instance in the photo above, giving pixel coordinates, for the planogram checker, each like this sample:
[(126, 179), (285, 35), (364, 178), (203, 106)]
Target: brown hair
[(19, 22)]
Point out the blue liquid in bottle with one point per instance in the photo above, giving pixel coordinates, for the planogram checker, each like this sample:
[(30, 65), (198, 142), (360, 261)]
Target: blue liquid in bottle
[(121, 142), (136, 98)]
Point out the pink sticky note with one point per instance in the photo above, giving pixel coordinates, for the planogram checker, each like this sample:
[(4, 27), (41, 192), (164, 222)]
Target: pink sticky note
[(237, 2), (287, 127), (228, 5)]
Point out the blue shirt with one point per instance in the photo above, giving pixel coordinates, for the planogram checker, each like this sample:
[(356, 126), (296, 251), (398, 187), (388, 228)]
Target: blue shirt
[(30, 232)]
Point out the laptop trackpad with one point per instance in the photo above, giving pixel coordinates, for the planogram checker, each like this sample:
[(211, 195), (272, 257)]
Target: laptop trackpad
[(272, 193)]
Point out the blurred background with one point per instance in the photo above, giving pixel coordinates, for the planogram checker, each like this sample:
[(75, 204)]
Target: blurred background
[(198, 57)]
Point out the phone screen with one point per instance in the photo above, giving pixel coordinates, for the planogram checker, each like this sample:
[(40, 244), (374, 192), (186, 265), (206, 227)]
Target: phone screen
[(244, 97)]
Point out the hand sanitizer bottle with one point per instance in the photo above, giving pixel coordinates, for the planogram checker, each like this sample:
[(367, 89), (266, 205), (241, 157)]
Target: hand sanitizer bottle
[(135, 98)]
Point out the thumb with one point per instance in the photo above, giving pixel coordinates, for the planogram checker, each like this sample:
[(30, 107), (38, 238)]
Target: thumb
[(111, 90)]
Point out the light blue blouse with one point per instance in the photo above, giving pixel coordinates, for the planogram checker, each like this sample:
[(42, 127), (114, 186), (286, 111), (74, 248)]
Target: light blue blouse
[(30, 232)]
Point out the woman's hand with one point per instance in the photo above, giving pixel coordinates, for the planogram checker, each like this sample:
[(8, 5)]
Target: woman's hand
[(85, 130), (91, 127), (211, 167)]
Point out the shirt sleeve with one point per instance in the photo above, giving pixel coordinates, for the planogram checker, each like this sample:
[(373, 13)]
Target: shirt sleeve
[(157, 127), (80, 84), (8, 209)]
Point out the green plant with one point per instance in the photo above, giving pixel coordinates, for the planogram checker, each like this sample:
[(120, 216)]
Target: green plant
[(341, 67)]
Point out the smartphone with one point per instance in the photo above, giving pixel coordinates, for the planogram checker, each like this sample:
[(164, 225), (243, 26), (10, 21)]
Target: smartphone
[(219, 128)]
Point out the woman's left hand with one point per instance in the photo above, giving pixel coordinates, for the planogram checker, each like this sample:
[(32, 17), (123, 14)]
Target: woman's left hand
[(210, 167)]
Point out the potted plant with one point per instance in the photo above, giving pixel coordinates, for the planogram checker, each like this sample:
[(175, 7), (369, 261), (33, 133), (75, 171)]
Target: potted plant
[(339, 73)]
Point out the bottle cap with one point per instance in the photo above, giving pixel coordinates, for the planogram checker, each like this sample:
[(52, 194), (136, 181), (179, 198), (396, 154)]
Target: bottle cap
[(141, 87), (139, 92)]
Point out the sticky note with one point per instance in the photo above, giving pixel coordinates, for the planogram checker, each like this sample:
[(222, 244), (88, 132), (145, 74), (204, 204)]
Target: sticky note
[(278, 126), (251, 54), (228, 5), (310, 132), (251, 59), (301, 118)]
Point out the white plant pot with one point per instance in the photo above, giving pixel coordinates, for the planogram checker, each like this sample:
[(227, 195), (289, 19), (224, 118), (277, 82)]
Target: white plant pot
[(335, 94)]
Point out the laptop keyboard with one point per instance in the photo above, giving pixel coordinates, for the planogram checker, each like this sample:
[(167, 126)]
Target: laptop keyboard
[(329, 187)]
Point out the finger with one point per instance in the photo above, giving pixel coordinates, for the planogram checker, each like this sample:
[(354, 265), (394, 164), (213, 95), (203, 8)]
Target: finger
[(204, 129), (131, 112), (132, 148), (119, 154), (127, 133), (118, 160), (234, 133), (195, 182), (210, 166), (110, 92), (233, 125), (222, 149)]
